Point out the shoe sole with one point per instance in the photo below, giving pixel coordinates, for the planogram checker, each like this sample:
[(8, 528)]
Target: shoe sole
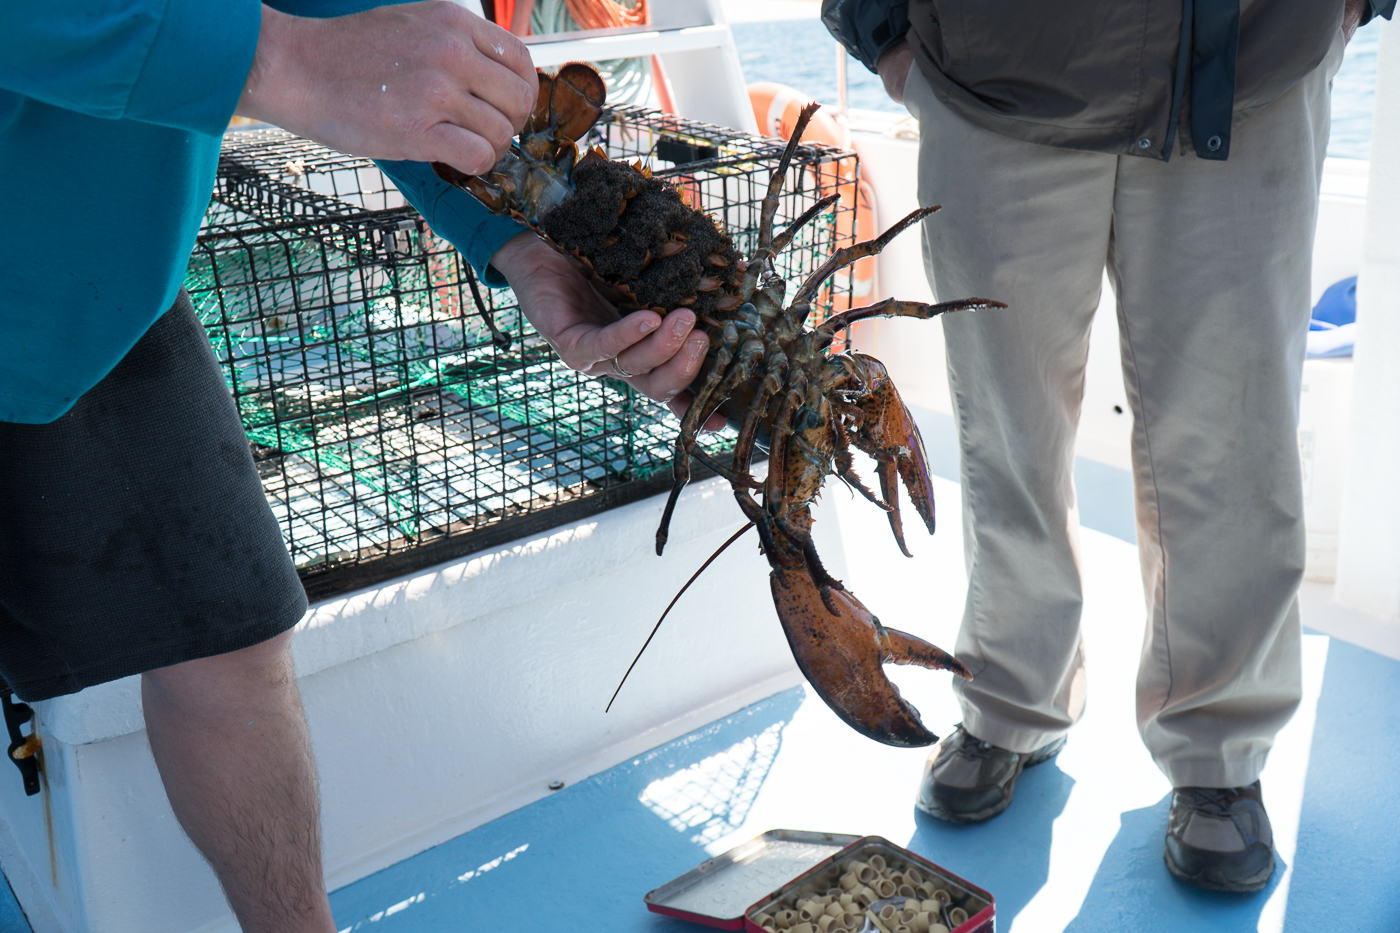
[(1247, 886), (1046, 753), (1039, 758)]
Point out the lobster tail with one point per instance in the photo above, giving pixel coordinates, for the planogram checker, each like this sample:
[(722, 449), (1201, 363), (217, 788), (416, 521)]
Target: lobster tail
[(539, 119), (532, 178), (576, 99)]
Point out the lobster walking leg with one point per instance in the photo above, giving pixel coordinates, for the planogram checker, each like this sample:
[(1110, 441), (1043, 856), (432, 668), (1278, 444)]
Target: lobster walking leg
[(769, 208), (844, 467), (775, 376), (727, 472), (764, 254), (893, 307), (848, 255), (747, 359), (775, 490), (690, 425), (781, 241), (742, 462)]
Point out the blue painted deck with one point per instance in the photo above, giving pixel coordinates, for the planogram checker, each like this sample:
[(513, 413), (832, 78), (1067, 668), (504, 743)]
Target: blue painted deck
[(595, 848), (1079, 849), (12, 918)]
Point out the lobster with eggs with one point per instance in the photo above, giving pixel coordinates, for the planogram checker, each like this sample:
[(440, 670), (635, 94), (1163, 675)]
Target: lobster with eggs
[(773, 377)]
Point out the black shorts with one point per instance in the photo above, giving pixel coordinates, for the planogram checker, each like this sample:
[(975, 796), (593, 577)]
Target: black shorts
[(133, 530)]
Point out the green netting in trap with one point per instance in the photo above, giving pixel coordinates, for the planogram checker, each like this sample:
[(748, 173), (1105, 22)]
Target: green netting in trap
[(382, 416)]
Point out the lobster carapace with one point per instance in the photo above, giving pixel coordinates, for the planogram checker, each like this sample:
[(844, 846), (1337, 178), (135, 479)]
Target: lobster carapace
[(769, 374)]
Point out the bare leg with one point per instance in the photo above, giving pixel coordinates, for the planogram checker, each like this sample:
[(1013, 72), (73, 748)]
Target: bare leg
[(230, 740)]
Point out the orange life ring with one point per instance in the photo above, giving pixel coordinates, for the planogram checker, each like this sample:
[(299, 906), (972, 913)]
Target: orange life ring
[(776, 108)]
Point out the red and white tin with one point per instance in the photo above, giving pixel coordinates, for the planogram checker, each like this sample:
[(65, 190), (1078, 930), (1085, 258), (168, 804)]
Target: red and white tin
[(770, 873)]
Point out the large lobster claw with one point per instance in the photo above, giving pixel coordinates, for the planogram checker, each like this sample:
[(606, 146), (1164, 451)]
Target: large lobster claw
[(888, 433), (841, 657)]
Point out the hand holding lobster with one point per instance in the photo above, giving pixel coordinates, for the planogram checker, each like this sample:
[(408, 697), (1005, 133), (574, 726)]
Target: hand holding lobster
[(662, 354), (417, 81)]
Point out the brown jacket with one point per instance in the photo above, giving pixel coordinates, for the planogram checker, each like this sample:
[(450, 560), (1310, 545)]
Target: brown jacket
[(1107, 75)]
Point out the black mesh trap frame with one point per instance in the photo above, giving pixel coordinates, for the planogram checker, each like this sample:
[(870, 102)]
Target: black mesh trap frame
[(390, 432)]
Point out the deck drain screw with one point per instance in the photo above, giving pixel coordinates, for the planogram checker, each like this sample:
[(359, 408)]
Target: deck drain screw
[(556, 785)]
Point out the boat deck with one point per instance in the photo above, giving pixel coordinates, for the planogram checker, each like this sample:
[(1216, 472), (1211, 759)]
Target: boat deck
[(1079, 848)]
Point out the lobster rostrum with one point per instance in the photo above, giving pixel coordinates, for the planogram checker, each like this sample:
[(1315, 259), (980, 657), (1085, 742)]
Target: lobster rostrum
[(769, 374)]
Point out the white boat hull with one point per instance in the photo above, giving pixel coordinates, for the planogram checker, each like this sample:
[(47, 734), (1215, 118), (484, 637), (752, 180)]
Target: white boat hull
[(436, 703)]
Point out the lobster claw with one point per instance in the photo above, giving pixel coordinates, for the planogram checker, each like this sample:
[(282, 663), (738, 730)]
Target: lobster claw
[(889, 434), (841, 656)]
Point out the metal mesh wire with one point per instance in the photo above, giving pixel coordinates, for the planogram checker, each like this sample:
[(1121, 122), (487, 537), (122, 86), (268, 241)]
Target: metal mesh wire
[(390, 432)]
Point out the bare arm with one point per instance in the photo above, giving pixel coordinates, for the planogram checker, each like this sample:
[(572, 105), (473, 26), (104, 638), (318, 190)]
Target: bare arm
[(427, 82)]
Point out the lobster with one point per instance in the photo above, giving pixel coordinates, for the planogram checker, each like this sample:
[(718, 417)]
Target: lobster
[(770, 375)]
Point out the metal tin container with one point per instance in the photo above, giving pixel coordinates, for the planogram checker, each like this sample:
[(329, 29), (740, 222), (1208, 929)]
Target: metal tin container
[(769, 874)]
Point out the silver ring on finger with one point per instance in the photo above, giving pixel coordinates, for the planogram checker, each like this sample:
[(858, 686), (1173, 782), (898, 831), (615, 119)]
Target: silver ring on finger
[(617, 368)]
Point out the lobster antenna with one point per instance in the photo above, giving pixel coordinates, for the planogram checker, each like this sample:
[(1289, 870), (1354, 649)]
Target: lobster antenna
[(693, 577)]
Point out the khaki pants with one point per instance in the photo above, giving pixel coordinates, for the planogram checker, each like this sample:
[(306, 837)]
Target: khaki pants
[(1211, 263)]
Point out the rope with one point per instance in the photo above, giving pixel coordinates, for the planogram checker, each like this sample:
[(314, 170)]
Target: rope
[(628, 79), (608, 14), (584, 14)]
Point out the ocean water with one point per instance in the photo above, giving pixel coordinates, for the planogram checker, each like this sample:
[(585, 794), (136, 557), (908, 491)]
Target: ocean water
[(1354, 96), (801, 53)]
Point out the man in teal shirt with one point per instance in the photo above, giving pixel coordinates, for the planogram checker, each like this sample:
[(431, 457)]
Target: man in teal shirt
[(116, 561)]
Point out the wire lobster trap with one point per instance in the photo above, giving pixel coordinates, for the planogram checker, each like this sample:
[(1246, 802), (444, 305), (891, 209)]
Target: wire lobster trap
[(390, 431)]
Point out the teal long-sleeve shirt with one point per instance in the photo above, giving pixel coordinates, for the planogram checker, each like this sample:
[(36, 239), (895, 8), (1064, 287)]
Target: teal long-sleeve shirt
[(111, 116)]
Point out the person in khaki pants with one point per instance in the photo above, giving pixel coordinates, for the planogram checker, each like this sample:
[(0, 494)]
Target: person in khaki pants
[(1180, 145)]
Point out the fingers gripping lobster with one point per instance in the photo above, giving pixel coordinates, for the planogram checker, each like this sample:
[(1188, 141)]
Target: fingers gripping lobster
[(769, 374)]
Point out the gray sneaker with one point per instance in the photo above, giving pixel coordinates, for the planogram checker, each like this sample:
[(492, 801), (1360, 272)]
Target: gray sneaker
[(1220, 838), (967, 780)]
